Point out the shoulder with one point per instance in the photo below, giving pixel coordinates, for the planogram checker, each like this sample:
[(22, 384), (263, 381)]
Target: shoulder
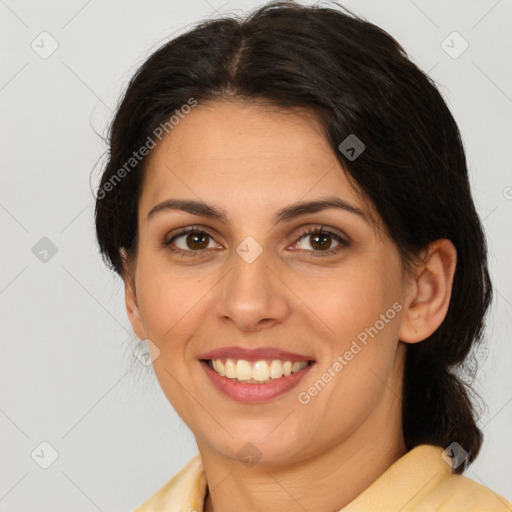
[(422, 481), (458, 492), (185, 490)]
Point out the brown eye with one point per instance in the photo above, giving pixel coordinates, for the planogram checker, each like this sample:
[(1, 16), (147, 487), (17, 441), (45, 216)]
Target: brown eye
[(320, 241), (191, 240), (197, 241)]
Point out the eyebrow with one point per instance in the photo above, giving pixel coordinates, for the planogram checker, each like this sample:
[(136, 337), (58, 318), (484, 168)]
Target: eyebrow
[(285, 214)]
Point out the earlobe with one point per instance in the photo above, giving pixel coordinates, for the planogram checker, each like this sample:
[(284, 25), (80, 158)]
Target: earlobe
[(428, 297), (130, 299)]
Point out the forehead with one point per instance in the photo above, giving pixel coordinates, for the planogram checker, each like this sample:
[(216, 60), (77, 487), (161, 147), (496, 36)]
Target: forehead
[(227, 130), (234, 151)]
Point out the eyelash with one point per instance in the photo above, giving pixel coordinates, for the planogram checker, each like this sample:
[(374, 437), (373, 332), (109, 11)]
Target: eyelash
[(312, 231)]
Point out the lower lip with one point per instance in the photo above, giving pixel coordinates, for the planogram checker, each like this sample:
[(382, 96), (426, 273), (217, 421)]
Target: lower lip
[(254, 393)]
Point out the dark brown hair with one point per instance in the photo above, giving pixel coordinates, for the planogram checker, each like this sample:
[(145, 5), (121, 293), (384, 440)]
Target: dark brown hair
[(358, 80)]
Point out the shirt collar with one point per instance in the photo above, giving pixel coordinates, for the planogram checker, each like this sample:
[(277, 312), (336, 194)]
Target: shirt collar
[(405, 482)]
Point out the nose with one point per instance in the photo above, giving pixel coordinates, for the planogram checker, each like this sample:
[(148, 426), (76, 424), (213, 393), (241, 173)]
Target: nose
[(252, 296)]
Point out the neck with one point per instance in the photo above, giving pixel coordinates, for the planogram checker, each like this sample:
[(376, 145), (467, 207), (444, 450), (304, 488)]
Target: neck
[(339, 480)]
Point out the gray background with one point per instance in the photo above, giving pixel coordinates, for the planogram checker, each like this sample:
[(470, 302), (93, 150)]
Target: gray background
[(68, 376)]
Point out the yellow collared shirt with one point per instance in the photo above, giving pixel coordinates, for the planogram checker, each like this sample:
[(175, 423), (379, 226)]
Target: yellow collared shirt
[(420, 481)]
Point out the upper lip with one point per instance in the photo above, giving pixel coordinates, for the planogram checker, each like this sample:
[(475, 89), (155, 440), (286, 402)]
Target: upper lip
[(254, 354)]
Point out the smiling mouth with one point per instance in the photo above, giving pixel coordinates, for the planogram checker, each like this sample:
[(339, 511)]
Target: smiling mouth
[(255, 372)]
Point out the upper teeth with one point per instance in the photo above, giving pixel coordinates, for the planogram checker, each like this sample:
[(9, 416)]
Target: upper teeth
[(258, 371)]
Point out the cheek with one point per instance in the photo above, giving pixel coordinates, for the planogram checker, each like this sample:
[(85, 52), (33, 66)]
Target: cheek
[(173, 309), (366, 320), (347, 301), (359, 311), (171, 305)]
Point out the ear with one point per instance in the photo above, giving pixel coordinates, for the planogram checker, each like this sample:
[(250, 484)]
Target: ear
[(130, 297), (428, 296)]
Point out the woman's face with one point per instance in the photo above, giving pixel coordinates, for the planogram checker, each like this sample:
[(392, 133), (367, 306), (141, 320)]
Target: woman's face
[(253, 278)]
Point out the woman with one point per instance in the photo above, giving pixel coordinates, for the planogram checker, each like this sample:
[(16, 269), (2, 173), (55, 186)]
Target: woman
[(287, 202)]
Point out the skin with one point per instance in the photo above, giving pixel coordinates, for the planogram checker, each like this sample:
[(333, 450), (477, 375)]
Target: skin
[(250, 161)]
